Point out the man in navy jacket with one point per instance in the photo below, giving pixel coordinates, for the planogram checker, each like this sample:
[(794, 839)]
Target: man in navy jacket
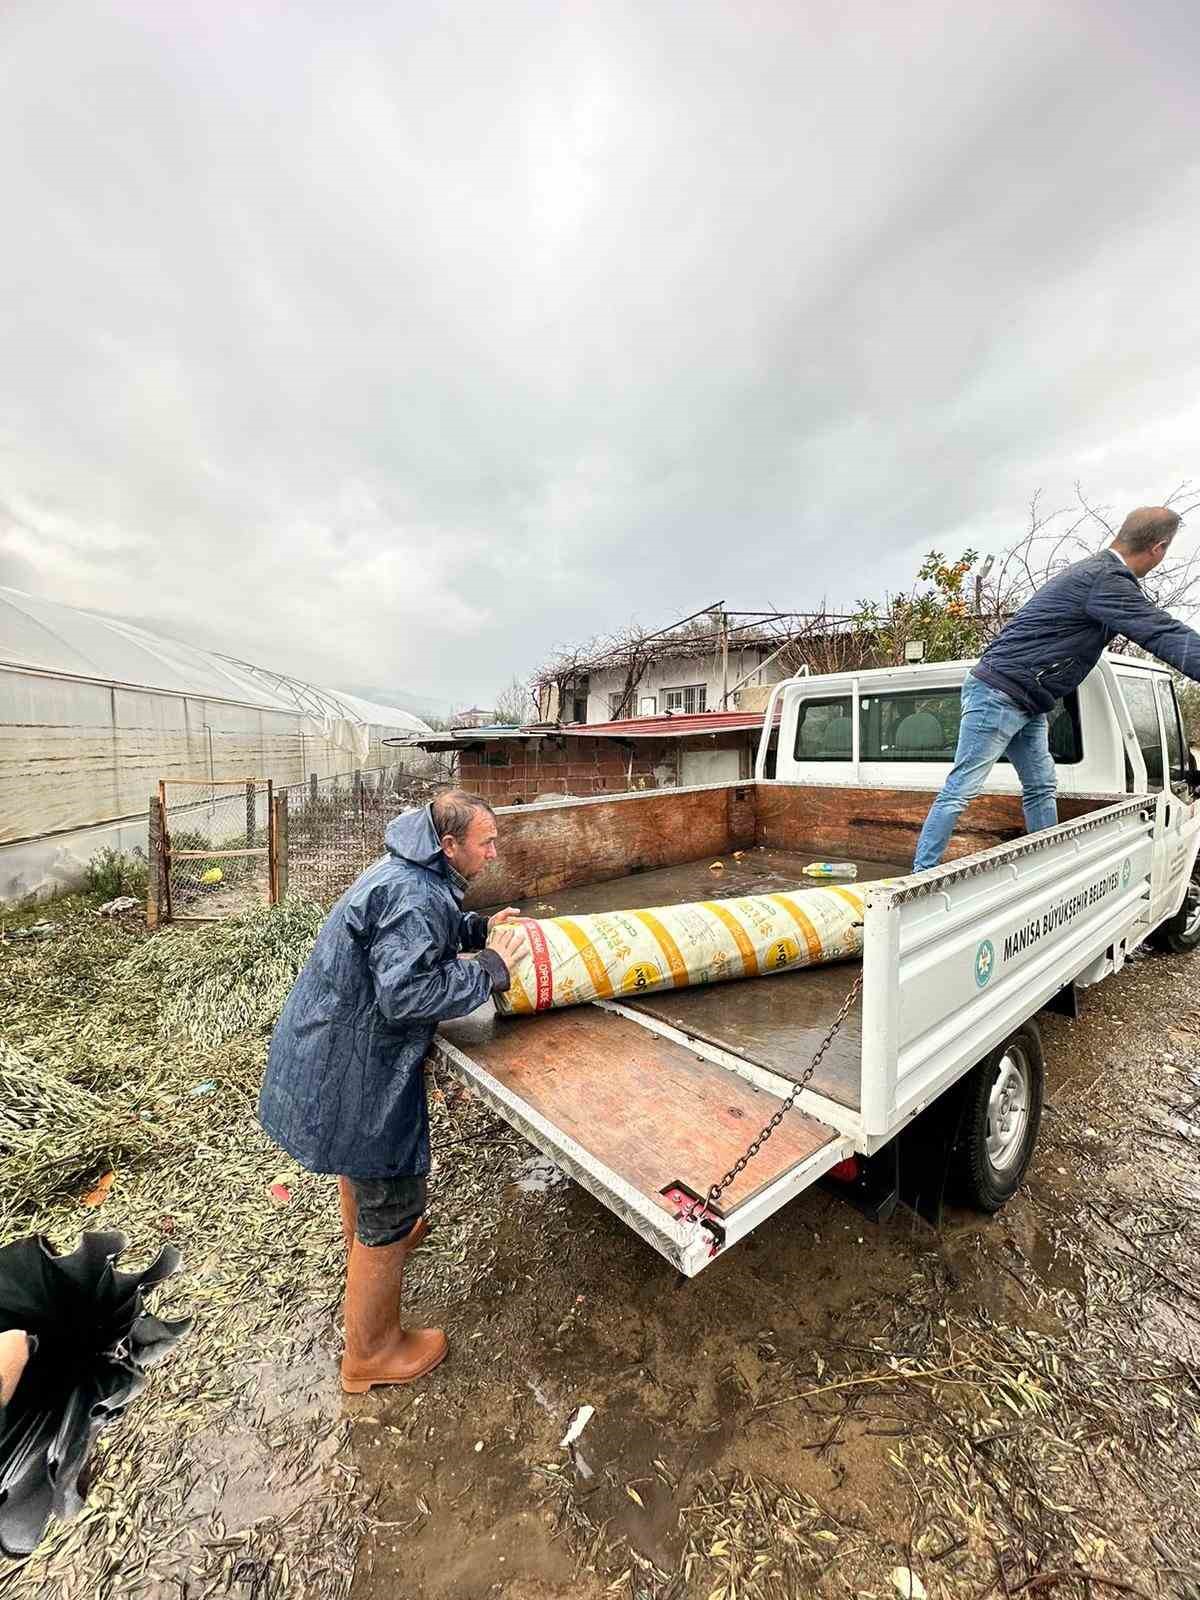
[(1047, 650), (344, 1089)]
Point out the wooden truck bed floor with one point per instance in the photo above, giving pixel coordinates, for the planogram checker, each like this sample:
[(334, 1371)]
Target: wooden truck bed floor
[(647, 1108), (775, 1022)]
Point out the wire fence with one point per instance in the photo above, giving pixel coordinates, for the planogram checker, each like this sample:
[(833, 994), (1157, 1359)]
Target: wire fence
[(335, 826), (223, 854), (219, 860)]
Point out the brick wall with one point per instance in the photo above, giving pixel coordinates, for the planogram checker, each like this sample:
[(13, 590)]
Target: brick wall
[(513, 772)]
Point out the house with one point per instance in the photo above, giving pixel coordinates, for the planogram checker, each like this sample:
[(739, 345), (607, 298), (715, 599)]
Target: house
[(516, 766), (474, 717), (685, 671)]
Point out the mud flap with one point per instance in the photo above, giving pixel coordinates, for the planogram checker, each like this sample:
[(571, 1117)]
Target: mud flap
[(875, 1191), (925, 1152)]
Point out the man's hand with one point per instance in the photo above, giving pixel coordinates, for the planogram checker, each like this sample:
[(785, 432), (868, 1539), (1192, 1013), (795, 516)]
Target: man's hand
[(509, 943), (14, 1353), (509, 914)]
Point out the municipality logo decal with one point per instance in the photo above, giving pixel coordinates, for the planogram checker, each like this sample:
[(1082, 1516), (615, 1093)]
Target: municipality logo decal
[(1125, 871), (985, 960)]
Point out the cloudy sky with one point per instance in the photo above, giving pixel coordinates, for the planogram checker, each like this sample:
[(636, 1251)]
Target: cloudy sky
[(393, 344)]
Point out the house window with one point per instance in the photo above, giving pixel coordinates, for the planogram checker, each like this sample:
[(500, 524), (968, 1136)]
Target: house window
[(577, 699), (691, 698), (616, 701), (648, 705)]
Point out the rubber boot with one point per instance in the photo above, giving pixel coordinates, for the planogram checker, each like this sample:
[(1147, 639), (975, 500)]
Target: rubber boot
[(378, 1348)]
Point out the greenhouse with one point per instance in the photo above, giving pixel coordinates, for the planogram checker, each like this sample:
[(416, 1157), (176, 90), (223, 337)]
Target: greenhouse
[(95, 713)]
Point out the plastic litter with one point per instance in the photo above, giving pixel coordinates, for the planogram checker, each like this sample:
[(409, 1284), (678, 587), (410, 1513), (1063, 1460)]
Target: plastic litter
[(580, 1418), (831, 869), (119, 906)]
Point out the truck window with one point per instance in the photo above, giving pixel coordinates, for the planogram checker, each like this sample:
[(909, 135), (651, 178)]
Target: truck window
[(1143, 710), (824, 731), (1169, 707), (922, 725)]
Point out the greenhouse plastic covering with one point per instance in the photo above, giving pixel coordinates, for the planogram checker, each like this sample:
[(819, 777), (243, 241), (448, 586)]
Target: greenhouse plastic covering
[(64, 641), (95, 712), (622, 954)]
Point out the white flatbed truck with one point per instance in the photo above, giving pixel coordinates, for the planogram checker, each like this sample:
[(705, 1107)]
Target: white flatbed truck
[(936, 1073)]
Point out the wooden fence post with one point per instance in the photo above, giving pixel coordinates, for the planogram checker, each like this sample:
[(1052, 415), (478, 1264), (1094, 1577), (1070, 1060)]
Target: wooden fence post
[(312, 789), (251, 814), (154, 854), (279, 847)]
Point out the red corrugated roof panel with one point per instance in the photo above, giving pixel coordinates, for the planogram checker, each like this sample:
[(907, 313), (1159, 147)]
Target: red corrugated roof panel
[(666, 726)]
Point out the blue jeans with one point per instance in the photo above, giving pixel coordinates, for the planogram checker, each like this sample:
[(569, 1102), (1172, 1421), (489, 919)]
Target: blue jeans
[(991, 724)]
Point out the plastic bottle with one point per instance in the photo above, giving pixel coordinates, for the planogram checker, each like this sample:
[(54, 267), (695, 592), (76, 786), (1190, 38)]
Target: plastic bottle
[(831, 869)]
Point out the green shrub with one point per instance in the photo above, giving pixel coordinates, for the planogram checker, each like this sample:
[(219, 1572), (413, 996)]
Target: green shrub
[(111, 873)]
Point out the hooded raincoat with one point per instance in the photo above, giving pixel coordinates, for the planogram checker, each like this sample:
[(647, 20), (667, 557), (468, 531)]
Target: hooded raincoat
[(344, 1089)]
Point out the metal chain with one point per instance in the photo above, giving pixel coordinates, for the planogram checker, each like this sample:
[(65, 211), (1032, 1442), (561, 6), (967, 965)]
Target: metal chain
[(739, 1166)]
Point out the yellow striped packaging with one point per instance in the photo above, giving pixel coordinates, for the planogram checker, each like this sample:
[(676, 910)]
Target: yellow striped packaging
[(621, 954)]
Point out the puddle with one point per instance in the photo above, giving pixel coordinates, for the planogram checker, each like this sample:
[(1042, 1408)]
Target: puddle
[(1051, 1259), (264, 1460)]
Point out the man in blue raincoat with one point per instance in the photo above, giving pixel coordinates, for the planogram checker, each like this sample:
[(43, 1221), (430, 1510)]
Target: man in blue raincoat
[(344, 1090)]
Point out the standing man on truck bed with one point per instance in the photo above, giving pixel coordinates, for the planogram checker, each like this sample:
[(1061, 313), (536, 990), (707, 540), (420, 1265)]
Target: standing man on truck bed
[(344, 1090), (1047, 650)]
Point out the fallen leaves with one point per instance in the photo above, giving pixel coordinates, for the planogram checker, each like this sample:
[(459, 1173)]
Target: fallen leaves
[(98, 1193)]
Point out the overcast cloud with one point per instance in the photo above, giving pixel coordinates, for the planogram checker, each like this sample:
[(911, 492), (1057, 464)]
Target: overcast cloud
[(392, 345)]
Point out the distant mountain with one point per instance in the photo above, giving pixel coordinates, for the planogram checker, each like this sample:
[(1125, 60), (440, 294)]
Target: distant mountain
[(417, 705)]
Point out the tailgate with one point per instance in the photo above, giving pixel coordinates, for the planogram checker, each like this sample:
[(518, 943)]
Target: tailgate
[(639, 1120)]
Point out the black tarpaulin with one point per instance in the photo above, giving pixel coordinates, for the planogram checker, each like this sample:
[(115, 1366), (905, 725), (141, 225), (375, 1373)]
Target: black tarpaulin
[(94, 1345)]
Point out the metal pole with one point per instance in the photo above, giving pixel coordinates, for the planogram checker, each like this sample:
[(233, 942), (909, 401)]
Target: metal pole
[(724, 660), (762, 666), (154, 852), (165, 847)]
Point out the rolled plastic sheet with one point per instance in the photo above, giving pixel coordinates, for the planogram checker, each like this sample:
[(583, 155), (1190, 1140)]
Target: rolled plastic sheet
[(615, 955)]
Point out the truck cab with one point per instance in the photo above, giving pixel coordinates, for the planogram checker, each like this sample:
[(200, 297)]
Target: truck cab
[(1120, 732)]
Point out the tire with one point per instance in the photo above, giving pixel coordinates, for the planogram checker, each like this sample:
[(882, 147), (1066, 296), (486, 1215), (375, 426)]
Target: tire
[(990, 1154), (1181, 933)]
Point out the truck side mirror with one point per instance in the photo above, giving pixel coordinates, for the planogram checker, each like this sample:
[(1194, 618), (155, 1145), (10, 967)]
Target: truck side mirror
[(1192, 776)]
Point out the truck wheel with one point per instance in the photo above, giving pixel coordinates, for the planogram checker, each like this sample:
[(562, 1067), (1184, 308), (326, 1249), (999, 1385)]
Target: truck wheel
[(1181, 933), (1001, 1114)]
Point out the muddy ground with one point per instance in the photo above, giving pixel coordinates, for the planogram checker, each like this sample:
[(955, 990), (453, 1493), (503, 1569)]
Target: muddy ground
[(1008, 1406), (691, 1381)]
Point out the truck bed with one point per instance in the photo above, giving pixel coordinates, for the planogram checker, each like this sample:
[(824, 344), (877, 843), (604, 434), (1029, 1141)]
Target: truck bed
[(644, 1105), (776, 1024)]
